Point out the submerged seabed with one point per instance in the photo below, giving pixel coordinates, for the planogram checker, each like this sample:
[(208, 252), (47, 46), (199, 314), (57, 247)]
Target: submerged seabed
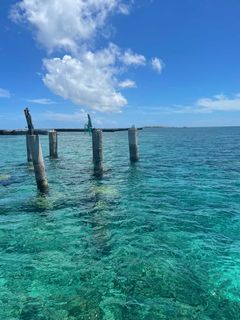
[(155, 240)]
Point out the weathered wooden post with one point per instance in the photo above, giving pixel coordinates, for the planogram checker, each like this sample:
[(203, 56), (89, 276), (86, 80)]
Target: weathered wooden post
[(133, 144), (29, 155), (53, 144), (38, 163), (37, 157), (97, 151)]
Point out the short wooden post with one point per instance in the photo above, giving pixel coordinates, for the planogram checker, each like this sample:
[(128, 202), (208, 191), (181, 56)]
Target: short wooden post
[(133, 144), (97, 151), (29, 156), (38, 163), (53, 144)]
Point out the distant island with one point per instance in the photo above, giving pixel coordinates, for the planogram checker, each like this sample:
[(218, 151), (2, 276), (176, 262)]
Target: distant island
[(45, 131), (155, 127)]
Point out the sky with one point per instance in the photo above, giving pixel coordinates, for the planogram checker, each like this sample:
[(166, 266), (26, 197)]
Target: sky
[(125, 62)]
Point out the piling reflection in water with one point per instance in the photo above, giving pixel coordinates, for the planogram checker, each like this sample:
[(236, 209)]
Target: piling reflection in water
[(103, 202)]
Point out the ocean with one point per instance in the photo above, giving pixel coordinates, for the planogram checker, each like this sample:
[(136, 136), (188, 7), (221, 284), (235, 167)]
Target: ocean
[(159, 239)]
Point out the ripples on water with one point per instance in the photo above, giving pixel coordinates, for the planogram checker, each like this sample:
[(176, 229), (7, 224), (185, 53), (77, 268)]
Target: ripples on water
[(155, 240)]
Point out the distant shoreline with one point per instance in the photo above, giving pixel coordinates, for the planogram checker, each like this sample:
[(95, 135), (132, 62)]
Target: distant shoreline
[(17, 132)]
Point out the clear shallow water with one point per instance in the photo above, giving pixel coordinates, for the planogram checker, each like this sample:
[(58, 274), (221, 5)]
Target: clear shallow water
[(156, 240)]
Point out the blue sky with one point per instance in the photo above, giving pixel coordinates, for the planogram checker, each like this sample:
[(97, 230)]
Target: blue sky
[(142, 62)]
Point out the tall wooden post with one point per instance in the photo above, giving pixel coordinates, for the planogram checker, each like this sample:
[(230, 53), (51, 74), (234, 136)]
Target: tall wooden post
[(36, 154), (133, 144), (53, 144), (97, 151), (38, 163)]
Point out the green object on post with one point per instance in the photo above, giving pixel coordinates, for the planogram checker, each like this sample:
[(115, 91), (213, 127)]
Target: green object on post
[(88, 126)]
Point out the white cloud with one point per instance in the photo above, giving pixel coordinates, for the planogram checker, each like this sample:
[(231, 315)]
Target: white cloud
[(130, 58), (89, 81), (41, 101), (127, 84), (84, 75), (220, 102), (157, 64), (4, 93), (66, 23)]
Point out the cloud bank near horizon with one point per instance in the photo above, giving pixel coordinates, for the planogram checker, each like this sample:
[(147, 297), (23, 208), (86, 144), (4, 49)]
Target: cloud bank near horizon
[(218, 102)]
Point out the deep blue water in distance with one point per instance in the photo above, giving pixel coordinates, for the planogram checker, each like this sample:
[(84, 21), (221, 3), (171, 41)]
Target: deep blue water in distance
[(156, 240)]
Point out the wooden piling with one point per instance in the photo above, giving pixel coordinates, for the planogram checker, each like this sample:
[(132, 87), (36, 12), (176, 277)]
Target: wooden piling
[(133, 144), (97, 151), (53, 144), (38, 163), (29, 155)]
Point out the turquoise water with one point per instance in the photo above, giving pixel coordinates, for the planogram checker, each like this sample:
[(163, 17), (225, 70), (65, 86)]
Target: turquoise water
[(156, 240)]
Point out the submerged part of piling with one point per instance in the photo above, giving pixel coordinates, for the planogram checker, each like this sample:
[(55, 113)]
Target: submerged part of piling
[(133, 144), (97, 151), (53, 144), (38, 163)]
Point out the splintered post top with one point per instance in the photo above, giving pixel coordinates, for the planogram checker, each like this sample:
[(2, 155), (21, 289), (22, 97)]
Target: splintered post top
[(29, 121)]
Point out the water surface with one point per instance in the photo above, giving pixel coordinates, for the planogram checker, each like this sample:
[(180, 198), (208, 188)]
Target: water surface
[(156, 240)]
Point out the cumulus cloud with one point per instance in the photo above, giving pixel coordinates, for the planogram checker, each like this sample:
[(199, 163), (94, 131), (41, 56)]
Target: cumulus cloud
[(157, 65), (86, 76), (4, 93), (66, 23), (89, 81), (41, 101)]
